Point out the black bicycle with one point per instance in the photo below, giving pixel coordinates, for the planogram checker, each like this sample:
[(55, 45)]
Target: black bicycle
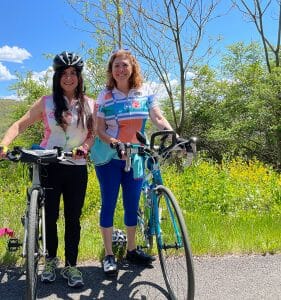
[(34, 240), (159, 214)]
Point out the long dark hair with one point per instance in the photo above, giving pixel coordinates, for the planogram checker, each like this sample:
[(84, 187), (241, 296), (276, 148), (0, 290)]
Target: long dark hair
[(61, 104)]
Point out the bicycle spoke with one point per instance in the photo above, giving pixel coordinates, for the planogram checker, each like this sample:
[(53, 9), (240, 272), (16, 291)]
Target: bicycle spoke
[(173, 248)]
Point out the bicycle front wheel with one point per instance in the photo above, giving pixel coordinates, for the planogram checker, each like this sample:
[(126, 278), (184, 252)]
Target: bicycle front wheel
[(173, 247), (32, 246)]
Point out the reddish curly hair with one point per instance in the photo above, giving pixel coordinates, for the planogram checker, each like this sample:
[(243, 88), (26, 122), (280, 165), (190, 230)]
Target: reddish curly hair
[(135, 81)]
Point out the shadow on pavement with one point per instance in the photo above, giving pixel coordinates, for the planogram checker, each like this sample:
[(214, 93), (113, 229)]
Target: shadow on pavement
[(132, 282)]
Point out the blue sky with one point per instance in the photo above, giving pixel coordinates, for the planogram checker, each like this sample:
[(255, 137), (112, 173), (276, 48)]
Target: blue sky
[(32, 28)]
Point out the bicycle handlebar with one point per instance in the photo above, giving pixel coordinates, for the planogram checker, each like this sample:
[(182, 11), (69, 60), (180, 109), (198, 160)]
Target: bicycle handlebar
[(39, 156), (128, 149)]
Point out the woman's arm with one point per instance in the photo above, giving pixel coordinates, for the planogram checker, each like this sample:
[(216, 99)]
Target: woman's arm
[(101, 132), (87, 144), (158, 119), (34, 114)]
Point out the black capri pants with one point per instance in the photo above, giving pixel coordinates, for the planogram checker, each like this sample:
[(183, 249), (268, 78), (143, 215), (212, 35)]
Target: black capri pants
[(70, 182)]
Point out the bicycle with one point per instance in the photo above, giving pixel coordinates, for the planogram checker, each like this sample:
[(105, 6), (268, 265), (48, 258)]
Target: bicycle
[(34, 240), (159, 214)]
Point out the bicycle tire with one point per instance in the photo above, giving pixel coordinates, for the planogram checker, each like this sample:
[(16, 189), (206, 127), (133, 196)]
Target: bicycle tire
[(32, 246), (175, 259)]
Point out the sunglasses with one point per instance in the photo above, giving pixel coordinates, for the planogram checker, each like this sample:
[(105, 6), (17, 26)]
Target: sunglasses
[(120, 49)]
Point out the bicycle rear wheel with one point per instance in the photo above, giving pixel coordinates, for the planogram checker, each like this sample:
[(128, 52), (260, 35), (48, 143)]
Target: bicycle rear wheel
[(32, 246), (144, 238), (173, 247)]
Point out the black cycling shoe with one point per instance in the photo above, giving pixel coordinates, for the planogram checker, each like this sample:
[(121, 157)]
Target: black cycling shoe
[(137, 256)]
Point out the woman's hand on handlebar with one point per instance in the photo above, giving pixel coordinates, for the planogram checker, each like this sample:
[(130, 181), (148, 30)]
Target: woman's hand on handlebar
[(120, 149), (79, 152), (184, 144)]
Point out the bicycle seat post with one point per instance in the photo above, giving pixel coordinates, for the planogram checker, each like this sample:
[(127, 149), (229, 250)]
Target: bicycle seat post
[(128, 158)]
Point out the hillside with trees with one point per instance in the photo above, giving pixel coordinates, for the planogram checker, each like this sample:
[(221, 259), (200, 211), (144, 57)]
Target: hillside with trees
[(7, 108)]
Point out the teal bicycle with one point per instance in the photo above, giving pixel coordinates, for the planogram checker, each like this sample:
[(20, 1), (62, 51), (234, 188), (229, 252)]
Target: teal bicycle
[(160, 216)]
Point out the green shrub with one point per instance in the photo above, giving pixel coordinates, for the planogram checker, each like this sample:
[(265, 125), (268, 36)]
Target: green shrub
[(229, 187), (231, 196)]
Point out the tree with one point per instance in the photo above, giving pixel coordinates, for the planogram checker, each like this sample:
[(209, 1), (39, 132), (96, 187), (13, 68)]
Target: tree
[(167, 35), (30, 90), (239, 115), (105, 19), (257, 12), (164, 34), (95, 75)]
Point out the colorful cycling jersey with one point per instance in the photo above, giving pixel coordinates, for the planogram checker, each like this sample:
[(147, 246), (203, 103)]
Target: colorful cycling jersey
[(54, 135), (124, 115)]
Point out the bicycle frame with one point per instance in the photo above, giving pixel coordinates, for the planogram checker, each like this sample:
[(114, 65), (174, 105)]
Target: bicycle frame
[(155, 216), (36, 185)]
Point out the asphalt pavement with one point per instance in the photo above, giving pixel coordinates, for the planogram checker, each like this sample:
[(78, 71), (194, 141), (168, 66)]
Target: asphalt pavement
[(247, 277)]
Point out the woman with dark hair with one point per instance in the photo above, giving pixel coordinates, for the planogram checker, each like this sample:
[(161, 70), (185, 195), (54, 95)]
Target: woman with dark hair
[(68, 123), (123, 108)]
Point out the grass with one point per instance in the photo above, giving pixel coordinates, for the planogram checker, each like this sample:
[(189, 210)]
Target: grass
[(219, 220), (245, 233), (210, 234)]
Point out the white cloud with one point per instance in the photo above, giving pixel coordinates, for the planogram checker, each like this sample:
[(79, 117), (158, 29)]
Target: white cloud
[(5, 73), (11, 97), (157, 88), (190, 75), (40, 76), (13, 54), (160, 89)]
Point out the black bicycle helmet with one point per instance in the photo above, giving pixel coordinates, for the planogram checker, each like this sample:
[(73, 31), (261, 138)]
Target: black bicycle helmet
[(68, 59)]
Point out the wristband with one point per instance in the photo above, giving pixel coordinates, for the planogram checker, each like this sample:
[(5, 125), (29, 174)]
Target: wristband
[(80, 151), (3, 149)]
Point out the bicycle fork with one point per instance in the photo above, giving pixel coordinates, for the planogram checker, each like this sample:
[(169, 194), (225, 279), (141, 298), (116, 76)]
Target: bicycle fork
[(157, 211), (42, 251)]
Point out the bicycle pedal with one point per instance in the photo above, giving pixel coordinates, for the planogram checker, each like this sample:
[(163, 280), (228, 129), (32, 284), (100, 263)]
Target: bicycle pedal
[(140, 247), (13, 244)]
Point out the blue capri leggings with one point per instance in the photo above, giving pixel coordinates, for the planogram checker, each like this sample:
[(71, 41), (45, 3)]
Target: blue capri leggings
[(111, 176)]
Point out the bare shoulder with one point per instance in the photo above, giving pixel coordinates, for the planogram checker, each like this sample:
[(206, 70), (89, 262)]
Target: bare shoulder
[(91, 102)]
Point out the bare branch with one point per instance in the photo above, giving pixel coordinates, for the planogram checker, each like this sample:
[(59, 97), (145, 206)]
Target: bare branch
[(256, 13)]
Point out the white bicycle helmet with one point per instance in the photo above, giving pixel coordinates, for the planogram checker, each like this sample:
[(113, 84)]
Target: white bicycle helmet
[(119, 237), (68, 59)]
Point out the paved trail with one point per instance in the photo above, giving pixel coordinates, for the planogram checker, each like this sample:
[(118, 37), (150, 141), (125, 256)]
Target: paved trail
[(251, 277)]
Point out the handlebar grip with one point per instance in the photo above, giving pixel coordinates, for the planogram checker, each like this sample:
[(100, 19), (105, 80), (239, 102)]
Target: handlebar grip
[(163, 133), (68, 154), (113, 145)]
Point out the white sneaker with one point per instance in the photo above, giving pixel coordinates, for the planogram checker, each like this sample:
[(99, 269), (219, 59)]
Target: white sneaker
[(109, 265)]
